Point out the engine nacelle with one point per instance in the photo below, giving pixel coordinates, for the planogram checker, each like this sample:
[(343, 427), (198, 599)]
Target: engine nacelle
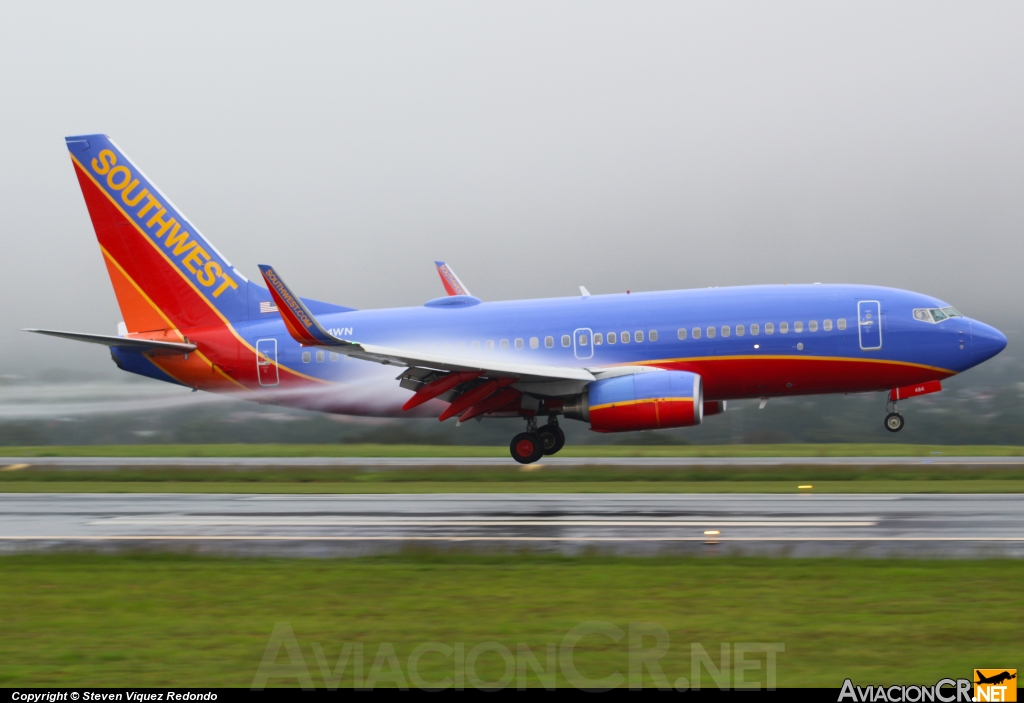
[(642, 401)]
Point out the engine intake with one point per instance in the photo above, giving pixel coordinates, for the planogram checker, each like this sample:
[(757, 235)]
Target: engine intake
[(643, 401)]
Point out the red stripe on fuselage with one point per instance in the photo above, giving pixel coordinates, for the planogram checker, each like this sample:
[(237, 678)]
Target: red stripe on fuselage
[(734, 378)]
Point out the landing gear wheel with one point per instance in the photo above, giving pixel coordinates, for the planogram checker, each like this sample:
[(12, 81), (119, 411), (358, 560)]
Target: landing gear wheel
[(894, 422), (527, 447), (552, 437)]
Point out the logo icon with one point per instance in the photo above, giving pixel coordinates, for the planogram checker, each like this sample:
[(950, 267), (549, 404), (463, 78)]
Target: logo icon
[(995, 685)]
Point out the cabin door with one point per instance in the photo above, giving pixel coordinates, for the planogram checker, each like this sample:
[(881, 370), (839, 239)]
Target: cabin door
[(266, 362), (869, 324)]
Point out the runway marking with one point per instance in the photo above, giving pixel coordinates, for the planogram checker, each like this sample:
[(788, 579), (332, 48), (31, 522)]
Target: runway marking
[(15, 467), (481, 538), (344, 522)]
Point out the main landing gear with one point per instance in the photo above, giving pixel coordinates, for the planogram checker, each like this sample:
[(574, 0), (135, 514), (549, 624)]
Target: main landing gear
[(527, 447), (893, 421)]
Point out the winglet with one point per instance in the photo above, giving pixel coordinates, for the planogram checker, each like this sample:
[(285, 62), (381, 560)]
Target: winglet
[(300, 322), (452, 284)]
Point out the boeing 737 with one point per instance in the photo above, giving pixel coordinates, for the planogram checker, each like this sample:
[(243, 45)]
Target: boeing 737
[(621, 363)]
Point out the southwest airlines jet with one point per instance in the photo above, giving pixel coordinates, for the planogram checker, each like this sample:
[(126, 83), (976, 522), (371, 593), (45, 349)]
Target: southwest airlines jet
[(634, 361)]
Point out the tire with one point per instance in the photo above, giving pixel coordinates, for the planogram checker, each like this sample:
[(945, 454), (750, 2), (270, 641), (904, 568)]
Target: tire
[(526, 447), (552, 437), (894, 422)]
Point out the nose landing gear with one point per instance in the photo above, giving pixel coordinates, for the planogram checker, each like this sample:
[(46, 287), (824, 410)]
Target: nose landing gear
[(527, 447), (893, 420)]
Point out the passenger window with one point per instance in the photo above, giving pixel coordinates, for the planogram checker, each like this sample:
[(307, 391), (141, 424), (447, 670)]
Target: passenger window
[(334, 356), (755, 329), (519, 342), (681, 333), (612, 338), (598, 338), (566, 340), (696, 332), (549, 342), (798, 327), (827, 325), (475, 346), (769, 328), (583, 340), (711, 332), (784, 327), (812, 325), (306, 357), (625, 337), (490, 344), (653, 335), (534, 342), (638, 336), (841, 323), (319, 356), (504, 344), (726, 331), (740, 330)]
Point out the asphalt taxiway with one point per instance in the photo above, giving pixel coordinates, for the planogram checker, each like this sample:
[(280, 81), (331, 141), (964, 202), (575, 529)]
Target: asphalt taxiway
[(348, 525)]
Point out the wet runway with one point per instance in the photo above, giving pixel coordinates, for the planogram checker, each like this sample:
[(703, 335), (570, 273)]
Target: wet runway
[(350, 525), (551, 462)]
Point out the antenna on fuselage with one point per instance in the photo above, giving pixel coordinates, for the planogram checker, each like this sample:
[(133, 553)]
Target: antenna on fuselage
[(584, 292)]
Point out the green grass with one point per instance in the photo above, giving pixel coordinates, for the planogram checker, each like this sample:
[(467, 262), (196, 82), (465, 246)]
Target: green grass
[(429, 450), (87, 620), (826, 479)]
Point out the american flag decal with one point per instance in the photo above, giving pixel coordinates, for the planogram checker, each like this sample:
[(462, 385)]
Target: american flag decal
[(267, 307)]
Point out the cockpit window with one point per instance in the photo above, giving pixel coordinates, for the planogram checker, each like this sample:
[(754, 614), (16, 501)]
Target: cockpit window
[(935, 314)]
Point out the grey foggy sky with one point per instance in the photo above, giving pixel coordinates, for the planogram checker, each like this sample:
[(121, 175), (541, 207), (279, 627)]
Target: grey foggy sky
[(534, 146)]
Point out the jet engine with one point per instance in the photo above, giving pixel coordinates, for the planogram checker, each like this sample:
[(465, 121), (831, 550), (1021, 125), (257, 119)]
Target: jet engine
[(642, 401)]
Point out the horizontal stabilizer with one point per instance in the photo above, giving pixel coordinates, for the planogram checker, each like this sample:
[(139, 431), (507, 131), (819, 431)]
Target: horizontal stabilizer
[(152, 346)]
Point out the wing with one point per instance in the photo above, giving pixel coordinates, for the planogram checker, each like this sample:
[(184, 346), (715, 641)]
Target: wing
[(470, 384), (451, 282)]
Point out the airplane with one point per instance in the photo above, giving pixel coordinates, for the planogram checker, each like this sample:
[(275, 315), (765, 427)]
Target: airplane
[(621, 362), (995, 679)]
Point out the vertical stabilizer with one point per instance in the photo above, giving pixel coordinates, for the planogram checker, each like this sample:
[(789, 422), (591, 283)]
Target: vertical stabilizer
[(165, 273)]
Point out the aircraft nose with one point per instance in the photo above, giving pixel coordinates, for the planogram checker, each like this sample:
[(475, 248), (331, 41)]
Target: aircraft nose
[(986, 341)]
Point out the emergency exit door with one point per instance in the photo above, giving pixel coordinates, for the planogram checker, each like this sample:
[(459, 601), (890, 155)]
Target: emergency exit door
[(266, 362), (583, 343)]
